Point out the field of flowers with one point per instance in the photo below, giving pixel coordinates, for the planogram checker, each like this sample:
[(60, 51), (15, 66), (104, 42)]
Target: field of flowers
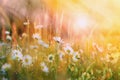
[(59, 39), (95, 59)]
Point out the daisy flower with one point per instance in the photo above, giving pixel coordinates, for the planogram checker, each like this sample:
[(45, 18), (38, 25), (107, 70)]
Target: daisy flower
[(33, 46), (58, 39), (26, 23), (4, 78), (38, 26), (42, 43), (24, 35), (1, 44), (6, 66), (113, 58), (44, 67), (68, 49), (50, 58), (16, 54), (7, 32), (8, 37), (43, 64), (61, 55), (36, 36), (98, 48), (45, 45), (76, 57), (27, 60)]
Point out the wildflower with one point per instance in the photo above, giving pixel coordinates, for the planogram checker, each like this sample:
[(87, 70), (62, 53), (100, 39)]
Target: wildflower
[(68, 49), (107, 57), (36, 36), (2, 57), (18, 47), (7, 32), (26, 23), (38, 26), (50, 58), (43, 64), (27, 60), (61, 54), (113, 58), (6, 66), (34, 47), (45, 45), (72, 67), (4, 78), (24, 35), (8, 37), (44, 67), (16, 54), (42, 43), (86, 75), (100, 49), (76, 57), (58, 39), (2, 44), (96, 47)]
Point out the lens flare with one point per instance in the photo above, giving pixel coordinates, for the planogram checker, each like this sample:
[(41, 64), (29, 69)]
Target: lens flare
[(82, 22)]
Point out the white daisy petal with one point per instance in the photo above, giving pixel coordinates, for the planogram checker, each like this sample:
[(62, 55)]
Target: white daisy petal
[(61, 55), (6, 66), (58, 39), (4, 78), (7, 32), (38, 26), (8, 37), (76, 56), (44, 67), (42, 43), (68, 49), (36, 36), (27, 60), (17, 55)]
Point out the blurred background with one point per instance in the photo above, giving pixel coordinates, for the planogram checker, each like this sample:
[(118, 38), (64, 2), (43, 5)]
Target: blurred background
[(73, 20)]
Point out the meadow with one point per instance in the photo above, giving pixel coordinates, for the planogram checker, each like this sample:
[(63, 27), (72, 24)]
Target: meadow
[(59, 40)]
